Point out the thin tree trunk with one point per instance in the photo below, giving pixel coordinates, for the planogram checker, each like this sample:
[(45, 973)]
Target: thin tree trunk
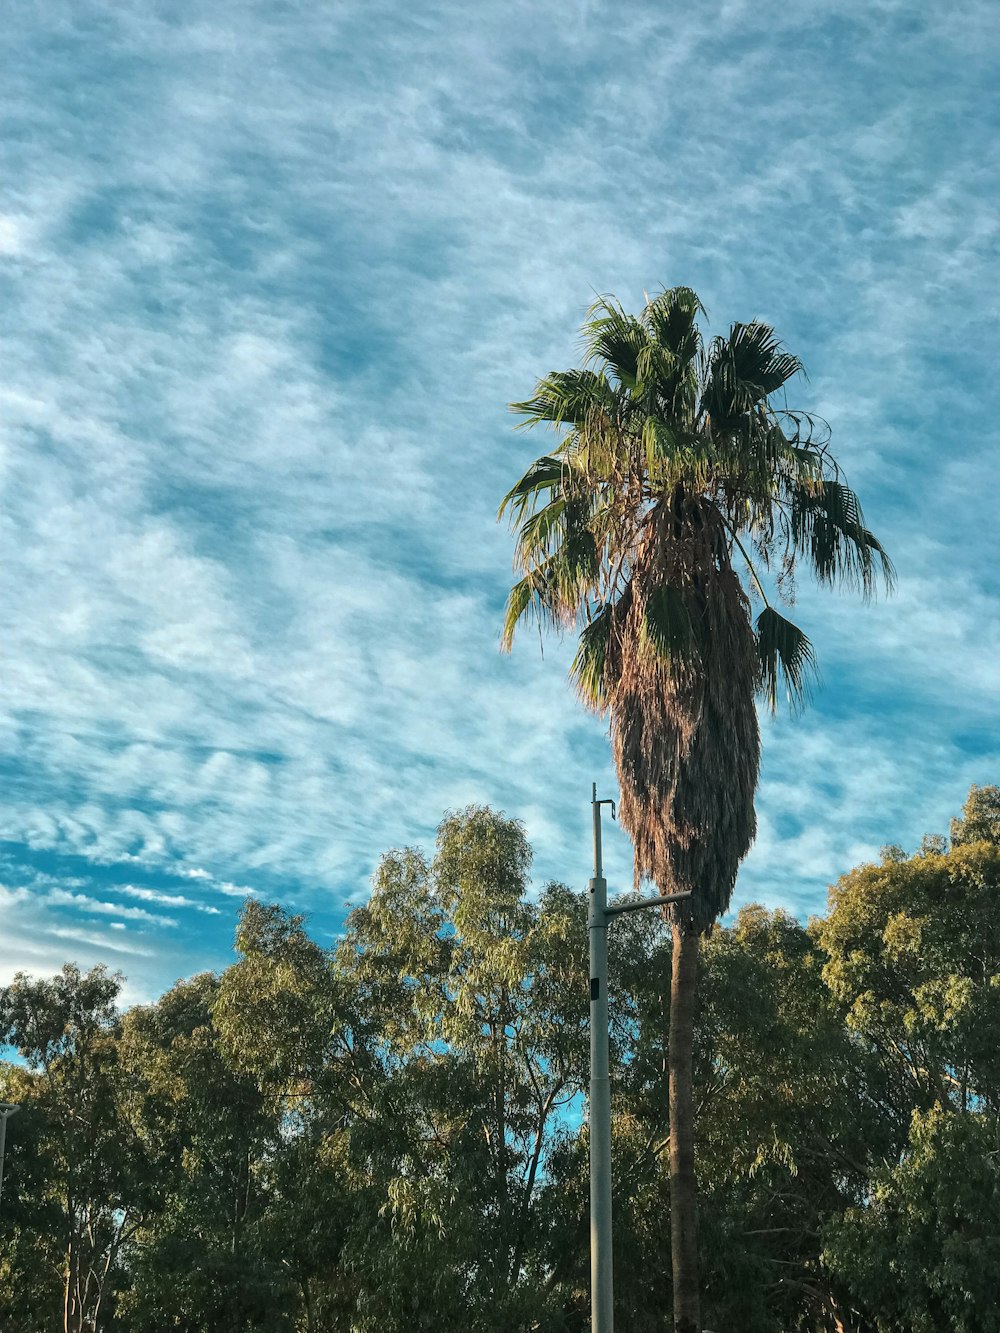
[(71, 1319), (683, 1186), (307, 1296)]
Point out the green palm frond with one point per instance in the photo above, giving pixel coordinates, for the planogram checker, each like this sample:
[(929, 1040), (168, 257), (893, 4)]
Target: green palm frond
[(805, 464), (673, 454), (545, 474), (806, 430), (520, 600), (581, 564), (656, 366), (760, 359), (568, 397), (565, 523), (827, 526), (589, 665), (552, 591), (672, 318), (743, 370), (667, 630), (784, 654), (601, 458), (539, 533), (614, 339)]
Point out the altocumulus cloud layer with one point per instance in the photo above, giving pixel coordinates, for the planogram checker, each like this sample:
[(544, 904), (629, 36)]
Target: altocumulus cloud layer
[(270, 274)]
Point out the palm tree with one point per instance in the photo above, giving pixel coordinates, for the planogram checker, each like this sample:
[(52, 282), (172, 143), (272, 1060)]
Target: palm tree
[(676, 484)]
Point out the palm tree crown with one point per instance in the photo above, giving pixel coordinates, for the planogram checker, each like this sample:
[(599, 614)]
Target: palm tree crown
[(674, 471)]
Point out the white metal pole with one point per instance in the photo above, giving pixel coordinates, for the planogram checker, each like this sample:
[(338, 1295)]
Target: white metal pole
[(601, 1272), (602, 1312)]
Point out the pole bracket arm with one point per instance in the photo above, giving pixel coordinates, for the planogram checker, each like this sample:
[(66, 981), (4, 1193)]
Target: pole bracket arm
[(663, 901)]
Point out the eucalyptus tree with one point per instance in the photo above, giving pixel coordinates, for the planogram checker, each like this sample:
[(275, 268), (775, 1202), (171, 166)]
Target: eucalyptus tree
[(913, 960), (85, 1169), (463, 1048), (913, 956), (677, 483), (204, 1258), (980, 818)]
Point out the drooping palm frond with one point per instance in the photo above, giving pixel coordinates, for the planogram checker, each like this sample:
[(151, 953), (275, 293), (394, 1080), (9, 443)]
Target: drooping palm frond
[(667, 631), (785, 656), (522, 598), (545, 474), (551, 591), (541, 530), (675, 456), (827, 526), (589, 666)]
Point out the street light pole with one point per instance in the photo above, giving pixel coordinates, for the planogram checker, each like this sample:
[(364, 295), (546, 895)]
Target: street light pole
[(602, 1316), (599, 914), (7, 1109)]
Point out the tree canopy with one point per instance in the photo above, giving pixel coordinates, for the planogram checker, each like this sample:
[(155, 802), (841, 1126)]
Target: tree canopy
[(388, 1133)]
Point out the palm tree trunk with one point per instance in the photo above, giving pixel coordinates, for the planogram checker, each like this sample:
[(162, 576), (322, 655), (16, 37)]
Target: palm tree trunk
[(683, 1186)]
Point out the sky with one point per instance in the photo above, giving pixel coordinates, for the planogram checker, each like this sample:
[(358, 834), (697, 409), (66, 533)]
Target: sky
[(271, 273)]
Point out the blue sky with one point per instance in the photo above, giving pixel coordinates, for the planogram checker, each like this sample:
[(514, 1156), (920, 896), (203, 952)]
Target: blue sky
[(270, 274)]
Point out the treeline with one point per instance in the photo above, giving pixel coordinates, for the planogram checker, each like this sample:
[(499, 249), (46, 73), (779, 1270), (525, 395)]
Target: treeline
[(388, 1136)]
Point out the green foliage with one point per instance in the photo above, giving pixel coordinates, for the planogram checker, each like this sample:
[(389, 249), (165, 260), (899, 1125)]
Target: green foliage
[(386, 1136), (667, 631), (274, 1009), (79, 1174), (479, 1046), (58, 1022), (211, 1131), (789, 1137), (924, 1250), (980, 821), (31, 1219), (653, 417), (785, 654), (914, 959)]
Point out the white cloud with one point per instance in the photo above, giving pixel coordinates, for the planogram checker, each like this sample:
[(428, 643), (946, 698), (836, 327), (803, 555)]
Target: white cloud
[(13, 234), (85, 903), (235, 890), (165, 899)]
